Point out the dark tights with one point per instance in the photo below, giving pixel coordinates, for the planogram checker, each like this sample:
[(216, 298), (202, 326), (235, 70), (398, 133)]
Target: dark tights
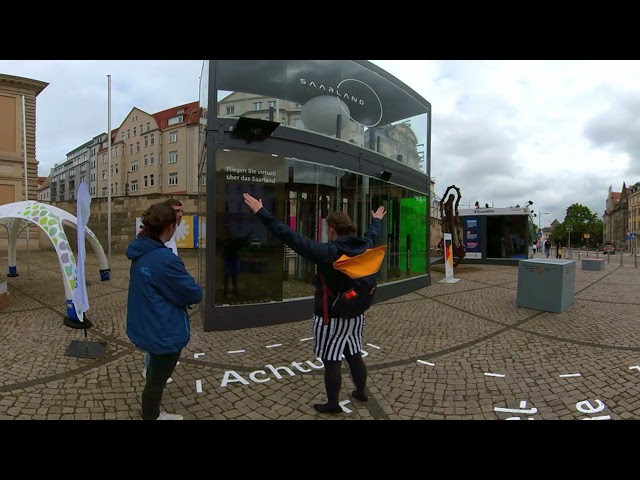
[(333, 379)]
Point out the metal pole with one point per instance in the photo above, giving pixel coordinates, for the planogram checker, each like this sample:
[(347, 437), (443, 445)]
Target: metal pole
[(26, 178), (109, 167), (621, 255)]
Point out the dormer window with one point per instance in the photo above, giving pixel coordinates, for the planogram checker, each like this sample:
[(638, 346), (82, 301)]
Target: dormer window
[(175, 120)]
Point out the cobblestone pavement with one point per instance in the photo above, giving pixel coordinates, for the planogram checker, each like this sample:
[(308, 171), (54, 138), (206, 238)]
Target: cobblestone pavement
[(448, 351)]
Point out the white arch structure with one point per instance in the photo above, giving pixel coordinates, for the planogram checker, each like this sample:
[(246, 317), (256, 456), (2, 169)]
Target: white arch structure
[(50, 219)]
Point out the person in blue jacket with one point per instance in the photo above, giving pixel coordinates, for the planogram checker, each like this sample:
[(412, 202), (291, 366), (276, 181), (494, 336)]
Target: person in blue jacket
[(341, 336), (160, 289)]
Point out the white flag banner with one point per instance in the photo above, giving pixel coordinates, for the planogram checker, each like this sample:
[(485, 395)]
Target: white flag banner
[(80, 297)]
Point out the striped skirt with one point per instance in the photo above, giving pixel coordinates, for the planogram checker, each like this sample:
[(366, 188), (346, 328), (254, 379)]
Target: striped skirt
[(341, 335)]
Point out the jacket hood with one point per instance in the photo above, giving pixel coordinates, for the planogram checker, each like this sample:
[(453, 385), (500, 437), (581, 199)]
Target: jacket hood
[(141, 246), (350, 245)]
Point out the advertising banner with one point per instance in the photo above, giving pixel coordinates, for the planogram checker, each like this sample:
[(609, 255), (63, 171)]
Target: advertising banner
[(472, 237)]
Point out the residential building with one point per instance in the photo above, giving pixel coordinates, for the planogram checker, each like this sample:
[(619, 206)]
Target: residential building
[(150, 154), (44, 189), (633, 216), (615, 218), (13, 124)]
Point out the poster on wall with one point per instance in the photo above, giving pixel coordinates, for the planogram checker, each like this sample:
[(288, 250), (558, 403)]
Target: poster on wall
[(186, 233), (472, 237)]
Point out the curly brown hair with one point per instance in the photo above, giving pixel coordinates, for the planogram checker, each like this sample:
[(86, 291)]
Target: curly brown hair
[(156, 219)]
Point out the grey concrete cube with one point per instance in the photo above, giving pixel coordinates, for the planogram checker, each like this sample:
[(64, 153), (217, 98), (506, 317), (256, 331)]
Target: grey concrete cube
[(593, 263), (546, 284)]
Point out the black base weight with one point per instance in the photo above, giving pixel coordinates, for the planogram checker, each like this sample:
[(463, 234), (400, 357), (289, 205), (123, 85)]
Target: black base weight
[(84, 349)]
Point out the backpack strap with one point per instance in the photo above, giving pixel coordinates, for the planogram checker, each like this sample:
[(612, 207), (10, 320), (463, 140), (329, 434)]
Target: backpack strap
[(325, 301)]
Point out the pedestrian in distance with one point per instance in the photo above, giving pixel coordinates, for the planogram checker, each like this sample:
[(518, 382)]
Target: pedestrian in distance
[(160, 288), (334, 336)]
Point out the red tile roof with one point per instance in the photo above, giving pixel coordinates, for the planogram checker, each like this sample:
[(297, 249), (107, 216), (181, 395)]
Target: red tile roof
[(191, 115)]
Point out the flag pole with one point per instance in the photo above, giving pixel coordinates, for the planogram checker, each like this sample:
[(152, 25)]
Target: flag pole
[(109, 167), (26, 178)]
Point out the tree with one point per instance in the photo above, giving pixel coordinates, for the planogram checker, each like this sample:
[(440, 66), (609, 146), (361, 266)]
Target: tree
[(582, 220)]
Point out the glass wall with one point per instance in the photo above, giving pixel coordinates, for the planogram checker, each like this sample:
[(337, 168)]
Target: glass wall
[(335, 98), (508, 237), (254, 267)]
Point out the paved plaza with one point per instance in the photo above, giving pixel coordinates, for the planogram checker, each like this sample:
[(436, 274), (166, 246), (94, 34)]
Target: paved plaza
[(460, 351)]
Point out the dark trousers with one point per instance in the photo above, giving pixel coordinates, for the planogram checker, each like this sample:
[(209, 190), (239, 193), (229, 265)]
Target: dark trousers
[(333, 376), (160, 369)]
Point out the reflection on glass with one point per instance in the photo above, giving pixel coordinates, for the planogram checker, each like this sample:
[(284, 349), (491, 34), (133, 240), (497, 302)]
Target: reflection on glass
[(337, 98), (255, 267), (507, 236)]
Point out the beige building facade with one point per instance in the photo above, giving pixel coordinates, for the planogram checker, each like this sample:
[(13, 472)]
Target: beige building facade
[(13, 124)]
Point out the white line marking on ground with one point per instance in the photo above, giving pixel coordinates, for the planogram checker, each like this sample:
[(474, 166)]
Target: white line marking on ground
[(342, 405), (566, 375), (274, 345), (426, 363), (494, 375), (199, 386), (637, 367), (373, 346), (235, 351), (306, 339), (198, 355)]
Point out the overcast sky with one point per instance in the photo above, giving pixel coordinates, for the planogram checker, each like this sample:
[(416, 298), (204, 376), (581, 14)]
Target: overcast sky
[(554, 132)]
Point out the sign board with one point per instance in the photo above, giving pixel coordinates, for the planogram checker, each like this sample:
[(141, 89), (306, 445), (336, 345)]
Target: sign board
[(586, 235), (448, 260), (569, 228), (539, 234)]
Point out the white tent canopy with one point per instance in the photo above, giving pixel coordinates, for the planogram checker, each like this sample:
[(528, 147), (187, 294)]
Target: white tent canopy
[(50, 219)]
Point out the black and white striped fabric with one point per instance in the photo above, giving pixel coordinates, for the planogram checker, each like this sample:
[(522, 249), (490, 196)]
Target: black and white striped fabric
[(330, 341)]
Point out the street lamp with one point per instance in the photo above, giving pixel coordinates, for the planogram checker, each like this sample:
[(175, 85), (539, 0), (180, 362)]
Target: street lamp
[(540, 219)]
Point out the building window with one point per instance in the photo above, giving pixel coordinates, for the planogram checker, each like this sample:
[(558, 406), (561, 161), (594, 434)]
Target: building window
[(104, 174), (93, 164), (104, 191), (146, 181), (83, 178), (176, 120), (173, 156), (203, 180), (134, 185), (104, 159), (137, 146), (92, 177), (131, 149), (122, 136), (231, 110), (173, 179), (135, 131), (114, 169), (134, 166), (272, 103), (257, 105), (151, 180), (152, 159), (152, 139), (128, 133), (146, 160), (146, 141), (148, 126), (173, 137), (92, 190)]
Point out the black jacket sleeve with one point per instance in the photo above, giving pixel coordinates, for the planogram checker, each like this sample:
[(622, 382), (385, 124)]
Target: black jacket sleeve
[(315, 252)]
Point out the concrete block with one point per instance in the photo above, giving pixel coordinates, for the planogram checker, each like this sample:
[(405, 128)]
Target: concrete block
[(546, 284), (593, 264)]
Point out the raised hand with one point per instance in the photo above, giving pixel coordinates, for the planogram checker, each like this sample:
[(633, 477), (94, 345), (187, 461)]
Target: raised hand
[(379, 213), (253, 203)]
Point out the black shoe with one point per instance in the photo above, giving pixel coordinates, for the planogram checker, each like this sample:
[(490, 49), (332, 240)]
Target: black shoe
[(363, 397), (326, 408)]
